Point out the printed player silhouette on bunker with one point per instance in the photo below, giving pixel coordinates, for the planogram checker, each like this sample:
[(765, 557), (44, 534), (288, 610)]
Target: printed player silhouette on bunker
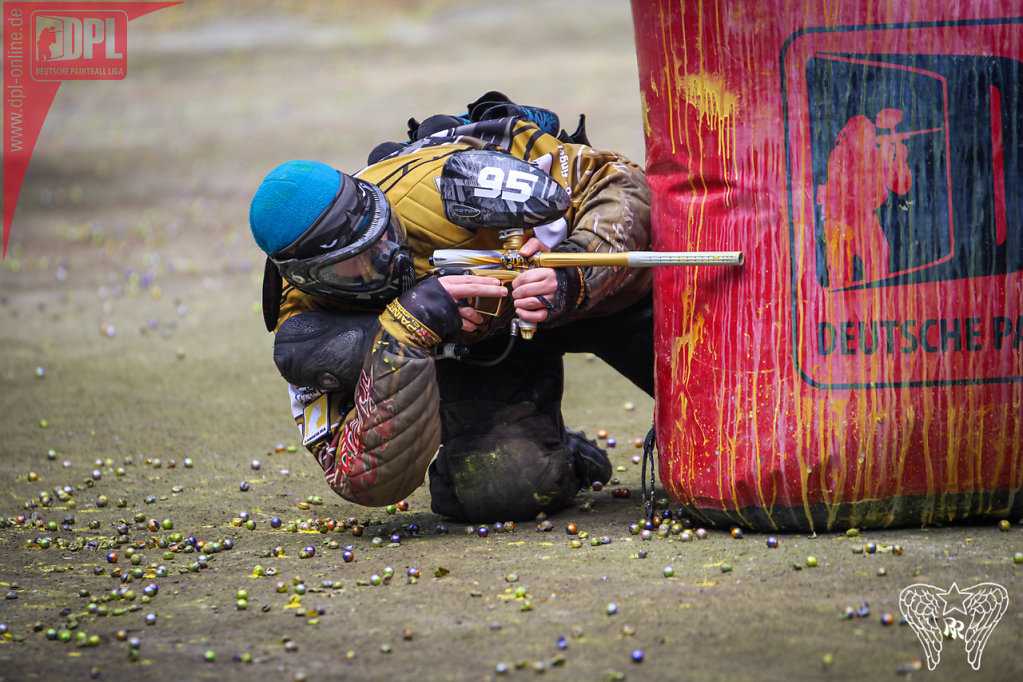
[(862, 168)]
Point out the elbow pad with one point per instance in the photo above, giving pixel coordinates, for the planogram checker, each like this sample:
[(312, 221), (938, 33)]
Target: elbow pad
[(325, 351)]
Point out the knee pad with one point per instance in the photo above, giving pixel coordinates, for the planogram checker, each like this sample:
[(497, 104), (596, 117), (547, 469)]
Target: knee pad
[(495, 478)]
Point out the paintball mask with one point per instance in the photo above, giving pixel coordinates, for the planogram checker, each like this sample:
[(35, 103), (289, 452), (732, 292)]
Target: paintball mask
[(331, 235)]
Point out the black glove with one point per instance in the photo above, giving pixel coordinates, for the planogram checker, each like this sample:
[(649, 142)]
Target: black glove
[(423, 316)]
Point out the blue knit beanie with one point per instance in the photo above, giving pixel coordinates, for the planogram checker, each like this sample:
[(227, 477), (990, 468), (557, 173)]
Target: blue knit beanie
[(289, 201)]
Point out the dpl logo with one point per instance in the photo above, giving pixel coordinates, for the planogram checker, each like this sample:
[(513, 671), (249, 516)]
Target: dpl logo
[(46, 43), (64, 38), (914, 159), (905, 158), (84, 45)]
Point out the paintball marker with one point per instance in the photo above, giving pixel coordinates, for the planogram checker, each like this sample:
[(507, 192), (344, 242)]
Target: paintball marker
[(900, 137), (489, 190), (505, 264), (889, 118)]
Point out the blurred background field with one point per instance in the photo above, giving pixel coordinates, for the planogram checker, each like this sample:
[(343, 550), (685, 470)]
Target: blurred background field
[(131, 340)]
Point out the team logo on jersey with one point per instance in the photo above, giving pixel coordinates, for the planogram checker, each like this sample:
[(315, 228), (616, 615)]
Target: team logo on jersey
[(317, 420), (906, 221)]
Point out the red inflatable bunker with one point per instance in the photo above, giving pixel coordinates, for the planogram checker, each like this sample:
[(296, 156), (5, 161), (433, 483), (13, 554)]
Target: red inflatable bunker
[(865, 367)]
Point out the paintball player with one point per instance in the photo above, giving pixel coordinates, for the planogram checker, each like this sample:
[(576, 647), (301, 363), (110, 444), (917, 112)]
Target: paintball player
[(360, 317)]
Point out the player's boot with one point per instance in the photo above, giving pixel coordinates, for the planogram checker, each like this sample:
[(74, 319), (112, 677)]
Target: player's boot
[(589, 461)]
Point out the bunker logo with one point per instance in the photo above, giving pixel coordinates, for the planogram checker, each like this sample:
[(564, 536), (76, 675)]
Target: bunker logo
[(79, 45), (910, 182), (46, 43), (906, 229), (967, 616)]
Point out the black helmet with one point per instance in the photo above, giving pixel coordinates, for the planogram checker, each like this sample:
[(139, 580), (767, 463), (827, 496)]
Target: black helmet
[(330, 234)]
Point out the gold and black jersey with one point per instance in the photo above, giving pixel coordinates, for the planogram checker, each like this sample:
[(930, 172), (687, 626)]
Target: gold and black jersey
[(609, 208)]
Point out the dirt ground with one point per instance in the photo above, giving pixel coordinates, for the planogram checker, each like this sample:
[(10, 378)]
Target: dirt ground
[(138, 387)]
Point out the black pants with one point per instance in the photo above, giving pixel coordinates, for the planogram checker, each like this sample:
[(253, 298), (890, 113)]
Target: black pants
[(504, 454)]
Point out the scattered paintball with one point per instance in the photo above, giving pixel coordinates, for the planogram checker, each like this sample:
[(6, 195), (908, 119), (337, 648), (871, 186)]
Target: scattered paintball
[(161, 518)]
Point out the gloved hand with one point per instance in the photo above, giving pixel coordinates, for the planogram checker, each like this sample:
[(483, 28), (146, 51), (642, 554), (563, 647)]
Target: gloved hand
[(430, 312), (544, 294)]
